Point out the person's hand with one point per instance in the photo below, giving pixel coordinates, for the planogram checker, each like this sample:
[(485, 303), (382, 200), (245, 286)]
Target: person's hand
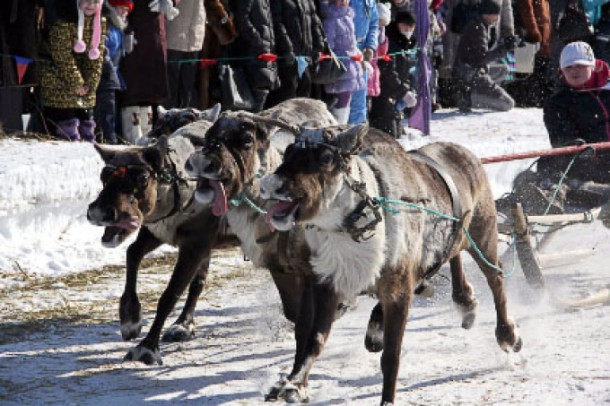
[(510, 42), (129, 42), (368, 54), (410, 99), (289, 58), (81, 90), (165, 7)]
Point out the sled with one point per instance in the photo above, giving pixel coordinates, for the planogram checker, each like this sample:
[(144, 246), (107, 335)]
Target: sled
[(519, 229)]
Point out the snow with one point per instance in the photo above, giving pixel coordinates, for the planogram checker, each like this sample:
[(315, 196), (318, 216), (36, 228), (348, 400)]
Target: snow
[(243, 344)]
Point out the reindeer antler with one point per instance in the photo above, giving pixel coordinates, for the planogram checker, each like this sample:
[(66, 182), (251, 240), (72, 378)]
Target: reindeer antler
[(296, 130)]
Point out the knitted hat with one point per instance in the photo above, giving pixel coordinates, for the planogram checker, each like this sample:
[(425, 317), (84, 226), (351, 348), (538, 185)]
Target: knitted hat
[(577, 53), (79, 46), (122, 3), (490, 7), (405, 17), (384, 12)]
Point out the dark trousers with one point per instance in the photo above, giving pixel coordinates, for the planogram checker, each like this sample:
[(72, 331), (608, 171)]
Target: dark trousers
[(106, 113), (182, 77)]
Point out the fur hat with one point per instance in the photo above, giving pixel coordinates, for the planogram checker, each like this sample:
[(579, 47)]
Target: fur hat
[(577, 53), (385, 14), (79, 46), (405, 17), (122, 3), (490, 7)]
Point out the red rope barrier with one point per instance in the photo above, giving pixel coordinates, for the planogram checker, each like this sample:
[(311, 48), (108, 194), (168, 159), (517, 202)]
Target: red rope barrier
[(546, 152)]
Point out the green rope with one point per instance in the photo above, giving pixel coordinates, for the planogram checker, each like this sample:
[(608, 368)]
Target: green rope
[(383, 201), (243, 198), (563, 176)]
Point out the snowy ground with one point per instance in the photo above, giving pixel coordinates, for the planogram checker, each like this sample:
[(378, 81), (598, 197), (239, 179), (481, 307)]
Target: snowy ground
[(59, 290)]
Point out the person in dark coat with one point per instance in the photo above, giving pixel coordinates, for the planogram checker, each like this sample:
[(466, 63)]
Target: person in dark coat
[(298, 32), (19, 36), (144, 70), (396, 80), (254, 23), (476, 50)]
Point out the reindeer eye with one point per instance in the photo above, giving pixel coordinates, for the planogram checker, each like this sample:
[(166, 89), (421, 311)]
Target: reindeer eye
[(327, 157), (247, 140)]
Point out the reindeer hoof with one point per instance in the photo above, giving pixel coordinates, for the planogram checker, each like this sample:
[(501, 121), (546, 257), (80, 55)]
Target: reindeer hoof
[(275, 391), (144, 355), (518, 345), (131, 330), (468, 320), (179, 332), (295, 394)]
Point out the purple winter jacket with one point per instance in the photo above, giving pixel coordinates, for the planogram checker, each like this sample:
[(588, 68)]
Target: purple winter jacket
[(339, 27)]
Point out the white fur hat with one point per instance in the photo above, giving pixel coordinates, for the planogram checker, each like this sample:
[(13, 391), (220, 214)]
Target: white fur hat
[(79, 46), (385, 14), (577, 53)]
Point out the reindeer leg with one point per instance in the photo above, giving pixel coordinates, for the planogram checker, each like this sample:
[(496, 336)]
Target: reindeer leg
[(463, 294), (290, 288), (189, 261), (130, 311), (395, 311), (486, 237), (316, 317), (373, 341), (183, 328)]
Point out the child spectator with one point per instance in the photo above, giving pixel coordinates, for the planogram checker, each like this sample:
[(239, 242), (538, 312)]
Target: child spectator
[(475, 87), (116, 12), (338, 20), (69, 80), (395, 77)]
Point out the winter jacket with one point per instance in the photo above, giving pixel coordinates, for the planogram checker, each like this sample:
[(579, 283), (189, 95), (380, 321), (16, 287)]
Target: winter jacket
[(339, 28), (366, 23), (395, 77), (570, 114), (592, 9), (601, 42), (254, 23), (64, 70), (114, 50), (473, 52), (374, 86), (298, 29), (186, 32), (535, 19), (145, 69)]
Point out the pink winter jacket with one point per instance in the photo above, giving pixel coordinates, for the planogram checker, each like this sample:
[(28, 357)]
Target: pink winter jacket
[(374, 88)]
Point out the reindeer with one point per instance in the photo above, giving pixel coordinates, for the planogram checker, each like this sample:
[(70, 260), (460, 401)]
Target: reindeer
[(238, 150), (330, 184), (146, 188)]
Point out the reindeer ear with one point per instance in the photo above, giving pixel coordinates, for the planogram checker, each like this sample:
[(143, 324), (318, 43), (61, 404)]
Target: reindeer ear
[(107, 153), (349, 141), (210, 114), (155, 154), (161, 111)]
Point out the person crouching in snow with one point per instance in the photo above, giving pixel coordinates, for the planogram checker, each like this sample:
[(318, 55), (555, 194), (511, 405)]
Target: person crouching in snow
[(577, 113), (70, 76), (475, 87), (338, 21), (395, 77)]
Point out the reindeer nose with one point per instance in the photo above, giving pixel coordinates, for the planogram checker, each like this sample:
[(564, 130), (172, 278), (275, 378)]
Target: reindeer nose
[(272, 187), (212, 167), (102, 215)]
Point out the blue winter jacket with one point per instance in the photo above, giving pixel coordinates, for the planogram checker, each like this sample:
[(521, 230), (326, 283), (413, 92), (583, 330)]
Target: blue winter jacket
[(366, 22)]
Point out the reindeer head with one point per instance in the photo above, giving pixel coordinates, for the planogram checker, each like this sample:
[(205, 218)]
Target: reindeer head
[(130, 180), (234, 152), (310, 178), (168, 121)]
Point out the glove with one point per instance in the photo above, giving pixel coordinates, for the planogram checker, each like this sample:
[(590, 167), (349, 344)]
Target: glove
[(289, 58), (129, 41), (510, 42), (410, 99), (165, 7), (368, 54)]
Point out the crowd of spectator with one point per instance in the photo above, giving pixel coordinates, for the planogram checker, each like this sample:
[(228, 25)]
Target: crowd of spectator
[(95, 70)]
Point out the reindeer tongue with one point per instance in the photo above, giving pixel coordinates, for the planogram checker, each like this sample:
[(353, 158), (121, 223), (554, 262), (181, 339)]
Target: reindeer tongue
[(219, 207), (281, 207)]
